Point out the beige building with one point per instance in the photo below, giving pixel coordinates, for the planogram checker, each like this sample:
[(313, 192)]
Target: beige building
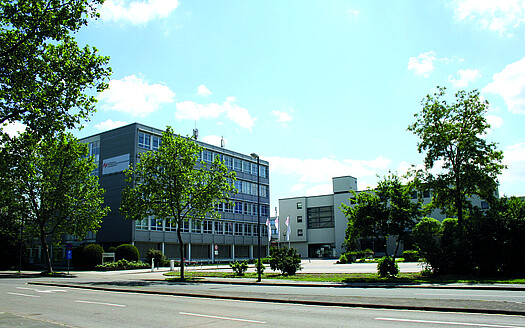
[(318, 226)]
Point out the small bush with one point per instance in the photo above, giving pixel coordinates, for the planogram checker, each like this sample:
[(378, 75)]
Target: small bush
[(112, 249), (239, 268), (387, 267), (342, 259), (92, 255), (157, 255), (261, 267), (286, 260), (411, 256), (128, 252), (122, 265)]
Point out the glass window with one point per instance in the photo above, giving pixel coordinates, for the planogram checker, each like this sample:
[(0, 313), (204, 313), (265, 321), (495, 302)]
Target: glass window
[(238, 229), (156, 224), (185, 226), (141, 224), (254, 169), (237, 164), (229, 162), (207, 156), (156, 143), (207, 226), (238, 186), (169, 226), (320, 217), (144, 140), (248, 229), (263, 171), (299, 205), (219, 227), (238, 207), (299, 219), (299, 232), (246, 167), (228, 228), (196, 226)]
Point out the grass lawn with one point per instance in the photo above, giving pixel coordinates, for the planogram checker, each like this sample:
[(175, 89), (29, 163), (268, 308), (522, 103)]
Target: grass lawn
[(402, 278)]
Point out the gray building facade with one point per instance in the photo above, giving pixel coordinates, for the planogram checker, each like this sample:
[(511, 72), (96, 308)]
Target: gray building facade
[(234, 236)]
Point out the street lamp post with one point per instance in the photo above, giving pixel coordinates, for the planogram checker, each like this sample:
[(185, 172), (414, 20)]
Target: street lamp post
[(255, 156)]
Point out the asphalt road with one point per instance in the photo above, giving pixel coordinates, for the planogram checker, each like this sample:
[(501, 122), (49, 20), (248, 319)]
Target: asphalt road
[(24, 305)]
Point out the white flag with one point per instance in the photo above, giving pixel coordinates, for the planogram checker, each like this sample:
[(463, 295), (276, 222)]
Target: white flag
[(288, 229), (277, 227), (269, 225)]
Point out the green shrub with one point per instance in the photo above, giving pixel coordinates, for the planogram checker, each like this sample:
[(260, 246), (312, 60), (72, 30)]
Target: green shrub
[(112, 249), (92, 255), (128, 252), (157, 255), (411, 256), (342, 259), (286, 260), (122, 265), (387, 267), (261, 267), (239, 268)]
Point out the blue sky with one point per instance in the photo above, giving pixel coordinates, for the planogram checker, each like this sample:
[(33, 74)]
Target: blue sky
[(317, 88)]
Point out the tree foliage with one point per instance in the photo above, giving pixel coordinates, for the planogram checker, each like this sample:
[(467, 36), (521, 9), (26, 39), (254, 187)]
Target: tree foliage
[(173, 185), (44, 73), (386, 211), (453, 135), (53, 188), (286, 260)]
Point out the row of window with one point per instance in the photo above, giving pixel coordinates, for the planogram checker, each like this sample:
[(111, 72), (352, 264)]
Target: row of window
[(152, 142), (204, 226), (236, 164), (239, 207), (250, 188)]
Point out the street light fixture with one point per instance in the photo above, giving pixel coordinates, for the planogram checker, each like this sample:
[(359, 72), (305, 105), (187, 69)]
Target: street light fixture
[(255, 156)]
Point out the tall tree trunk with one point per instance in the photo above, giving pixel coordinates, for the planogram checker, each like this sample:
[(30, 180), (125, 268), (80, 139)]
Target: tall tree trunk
[(181, 250), (47, 258)]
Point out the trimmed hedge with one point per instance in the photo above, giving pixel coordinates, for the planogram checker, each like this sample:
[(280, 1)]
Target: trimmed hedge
[(92, 255), (127, 252)]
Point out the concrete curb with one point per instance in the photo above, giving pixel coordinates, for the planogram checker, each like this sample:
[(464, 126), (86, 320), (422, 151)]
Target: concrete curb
[(487, 307)]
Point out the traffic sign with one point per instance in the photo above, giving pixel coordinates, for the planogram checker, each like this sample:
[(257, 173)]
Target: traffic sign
[(69, 254), (69, 246)]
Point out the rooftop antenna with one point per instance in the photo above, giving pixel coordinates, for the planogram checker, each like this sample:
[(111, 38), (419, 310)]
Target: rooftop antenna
[(223, 143), (195, 132)]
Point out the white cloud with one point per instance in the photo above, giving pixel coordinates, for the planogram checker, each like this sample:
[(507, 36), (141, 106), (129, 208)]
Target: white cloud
[(203, 91), (316, 174), (500, 16), (494, 121), (423, 64), (133, 95), (465, 76), (13, 129), (282, 117), (137, 12), (109, 125), (189, 110), (514, 177), (510, 85), (214, 140)]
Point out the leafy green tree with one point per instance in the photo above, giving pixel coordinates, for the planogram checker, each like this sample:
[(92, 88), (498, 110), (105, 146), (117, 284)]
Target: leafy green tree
[(452, 134), (389, 210), (44, 74), (52, 182), (173, 185), (286, 260)]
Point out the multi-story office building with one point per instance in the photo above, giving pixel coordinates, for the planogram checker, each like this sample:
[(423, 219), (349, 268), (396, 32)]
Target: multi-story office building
[(318, 226), (234, 236)]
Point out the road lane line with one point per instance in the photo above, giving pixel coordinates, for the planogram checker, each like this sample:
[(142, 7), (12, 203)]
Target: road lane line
[(448, 323), (223, 318), (100, 303), (42, 290), (17, 294)]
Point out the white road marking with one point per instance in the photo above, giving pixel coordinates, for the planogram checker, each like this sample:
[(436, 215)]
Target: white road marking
[(448, 323), (23, 295), (217, 317), (432, 294), (100, 303), (43, 291)]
